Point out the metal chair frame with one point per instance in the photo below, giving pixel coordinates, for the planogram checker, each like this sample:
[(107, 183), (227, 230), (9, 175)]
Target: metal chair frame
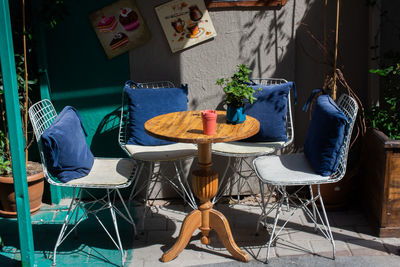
[(42, 114), (181, 186), (239, 163), (293, 201)]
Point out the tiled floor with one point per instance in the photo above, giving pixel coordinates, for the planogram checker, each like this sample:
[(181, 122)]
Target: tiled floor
[(92, 246)]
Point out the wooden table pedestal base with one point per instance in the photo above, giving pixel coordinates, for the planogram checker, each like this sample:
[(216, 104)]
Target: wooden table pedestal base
[(205, 185)]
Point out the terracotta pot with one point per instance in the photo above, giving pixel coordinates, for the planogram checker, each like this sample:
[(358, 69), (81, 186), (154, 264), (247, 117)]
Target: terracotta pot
[(7, 194), (209, 118)]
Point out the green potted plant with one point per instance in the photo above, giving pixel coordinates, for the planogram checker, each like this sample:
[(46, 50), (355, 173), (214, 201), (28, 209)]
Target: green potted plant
[(238, 91), (382, 155), (35, 178), (34, 171)]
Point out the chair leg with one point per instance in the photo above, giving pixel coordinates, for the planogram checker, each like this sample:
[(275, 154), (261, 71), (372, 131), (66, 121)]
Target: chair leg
[(147, 193), (264, 205), (272, 235), (114, 219), (314, 208), (62, 235), (129, 219), (329, 231)]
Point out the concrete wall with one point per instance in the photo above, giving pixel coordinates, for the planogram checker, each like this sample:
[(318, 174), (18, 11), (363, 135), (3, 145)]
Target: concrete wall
[(274, 43)]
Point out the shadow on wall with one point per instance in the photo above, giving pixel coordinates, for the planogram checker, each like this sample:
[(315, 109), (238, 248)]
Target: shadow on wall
[(297, 57), (107, 135)]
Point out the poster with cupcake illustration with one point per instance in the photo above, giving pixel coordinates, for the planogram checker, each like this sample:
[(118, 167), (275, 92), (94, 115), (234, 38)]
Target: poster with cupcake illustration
[(185, 23), (119, 27)]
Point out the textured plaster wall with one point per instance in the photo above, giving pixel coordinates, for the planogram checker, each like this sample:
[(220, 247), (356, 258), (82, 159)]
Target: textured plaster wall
[(262, 39), (274, 43)]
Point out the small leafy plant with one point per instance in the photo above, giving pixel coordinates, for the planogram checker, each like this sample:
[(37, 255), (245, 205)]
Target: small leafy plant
[(237, 90), (386, 116)]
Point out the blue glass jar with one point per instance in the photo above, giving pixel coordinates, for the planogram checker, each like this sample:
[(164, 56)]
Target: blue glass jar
[(235, 115)]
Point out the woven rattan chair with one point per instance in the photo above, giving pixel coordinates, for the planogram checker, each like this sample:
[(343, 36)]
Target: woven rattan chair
[(240, 154), (151, 157), (108, 174), (284, 171)]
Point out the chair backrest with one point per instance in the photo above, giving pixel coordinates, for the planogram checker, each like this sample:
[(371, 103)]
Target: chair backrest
[(350, 108), (123, 127), (289, 118), (42, 114)]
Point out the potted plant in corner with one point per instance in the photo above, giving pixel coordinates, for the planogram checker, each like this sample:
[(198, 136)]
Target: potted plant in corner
[(381, 150), (237, 91), (35, 176)]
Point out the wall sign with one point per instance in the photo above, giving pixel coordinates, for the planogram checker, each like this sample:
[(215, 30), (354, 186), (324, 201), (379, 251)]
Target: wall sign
[(119, 27), (185, 23), (241, 3)]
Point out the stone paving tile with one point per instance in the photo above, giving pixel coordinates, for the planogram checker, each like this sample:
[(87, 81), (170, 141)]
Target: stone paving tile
[(257, 252), (366, 232), (324, 248), (43, 217), (392, 245), (292, 248), (154, 223), (305, 233), (361, 247), (345, 233)]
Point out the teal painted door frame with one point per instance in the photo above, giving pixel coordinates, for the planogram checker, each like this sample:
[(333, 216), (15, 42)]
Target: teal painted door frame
[(15, 136)]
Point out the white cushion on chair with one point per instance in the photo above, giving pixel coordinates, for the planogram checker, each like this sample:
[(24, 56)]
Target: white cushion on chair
[(288, 169), (162, 153), (107, 171), (244, 148)]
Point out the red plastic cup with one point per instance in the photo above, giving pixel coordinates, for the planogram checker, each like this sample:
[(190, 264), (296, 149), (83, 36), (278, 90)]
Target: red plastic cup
[(209, 118)]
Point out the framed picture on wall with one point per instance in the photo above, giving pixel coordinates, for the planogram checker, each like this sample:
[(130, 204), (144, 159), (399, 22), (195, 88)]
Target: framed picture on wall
[(120, 27), (185, 23), (245, 3)]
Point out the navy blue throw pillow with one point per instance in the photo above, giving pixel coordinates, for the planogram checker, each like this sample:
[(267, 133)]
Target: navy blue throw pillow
[(67, 154), (325, 136), (147, 103), (270, 110)]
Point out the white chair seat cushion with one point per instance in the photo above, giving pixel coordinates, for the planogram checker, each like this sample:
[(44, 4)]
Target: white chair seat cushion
[(162, 153), (246, 148), (288, 169), (107, 172)]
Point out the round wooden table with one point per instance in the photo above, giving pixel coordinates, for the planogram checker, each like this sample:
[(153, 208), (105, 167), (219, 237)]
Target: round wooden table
[(187, 127)]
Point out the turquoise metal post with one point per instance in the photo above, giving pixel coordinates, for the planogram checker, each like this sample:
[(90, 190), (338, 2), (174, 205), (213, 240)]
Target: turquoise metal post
[(15, 136)]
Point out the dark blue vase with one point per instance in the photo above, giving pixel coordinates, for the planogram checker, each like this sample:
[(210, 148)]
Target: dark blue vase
[(235, 115)]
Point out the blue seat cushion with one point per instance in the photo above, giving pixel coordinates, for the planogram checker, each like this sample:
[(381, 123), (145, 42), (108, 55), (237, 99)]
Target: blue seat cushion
[(325, 136), (65, 149), (147, 103), (270, 110)]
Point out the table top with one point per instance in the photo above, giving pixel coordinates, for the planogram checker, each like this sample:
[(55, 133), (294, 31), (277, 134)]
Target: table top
[(187, 127)]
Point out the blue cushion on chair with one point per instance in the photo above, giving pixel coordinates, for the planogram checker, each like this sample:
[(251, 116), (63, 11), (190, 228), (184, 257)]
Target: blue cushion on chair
[(270, 110), (146, 103), (325, 136), (67, 154)]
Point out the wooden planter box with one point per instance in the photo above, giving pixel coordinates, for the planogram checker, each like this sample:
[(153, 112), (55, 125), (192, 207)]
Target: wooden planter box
[(381, 183)]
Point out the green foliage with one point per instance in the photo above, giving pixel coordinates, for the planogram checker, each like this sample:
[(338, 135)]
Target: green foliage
[(5, 160), (5, 164), (52, 12), (237, 90), (386, 116)]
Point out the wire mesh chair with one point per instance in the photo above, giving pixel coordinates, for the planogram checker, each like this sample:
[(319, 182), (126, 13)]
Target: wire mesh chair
[(151, 157), (280, 172), (240, 153), (109, 174)]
